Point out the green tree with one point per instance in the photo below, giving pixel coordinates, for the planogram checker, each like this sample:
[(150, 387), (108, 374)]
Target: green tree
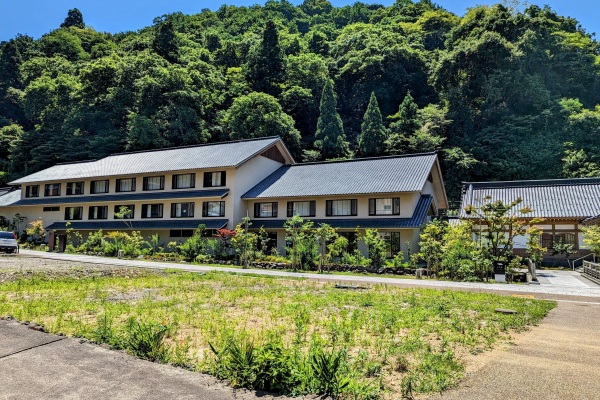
[(331, 140), (404, 124), (372, 135), (74, 18), (166, 42), (258, 115), (265, 70)]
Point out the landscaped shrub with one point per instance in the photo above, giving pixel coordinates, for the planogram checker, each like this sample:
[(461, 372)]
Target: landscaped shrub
[(195, 245), (377, 247), (95, 243)]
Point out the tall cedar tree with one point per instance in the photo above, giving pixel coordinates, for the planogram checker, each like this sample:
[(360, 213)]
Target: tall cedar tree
[(330, 131), (405, 124), (74, 18), (371, 141), (266, 65)]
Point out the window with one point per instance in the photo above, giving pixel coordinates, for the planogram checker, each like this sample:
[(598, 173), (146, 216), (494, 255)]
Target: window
[(129, 215), (268, 243), (549, 239), (341, 207), (126, 185), (99, 187), (181, 233), (32, 191), (390, 206), (152, 210), (73, 213), (184, 181), (49, 209), (182, 210), (98, 212), (265, 210), (74, 188), (154, 182), (301, 208), (392, 240), (212, 179), (52, 189), (213, 209)]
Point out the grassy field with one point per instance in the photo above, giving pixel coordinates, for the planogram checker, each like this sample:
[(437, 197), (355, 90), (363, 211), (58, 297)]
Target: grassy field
[(384, 342)]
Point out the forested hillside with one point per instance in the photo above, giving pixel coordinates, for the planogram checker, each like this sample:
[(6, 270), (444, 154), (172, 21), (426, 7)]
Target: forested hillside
[(501, 93)]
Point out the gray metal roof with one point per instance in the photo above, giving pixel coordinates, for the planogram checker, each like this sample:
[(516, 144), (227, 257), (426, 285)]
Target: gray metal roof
[(139, 225), (213, 155), (416, 221), (9, 197), (406, 173), (105, 198), (553, 198)]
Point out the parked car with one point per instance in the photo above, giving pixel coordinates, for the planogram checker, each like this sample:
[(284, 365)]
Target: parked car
[(8, 242)]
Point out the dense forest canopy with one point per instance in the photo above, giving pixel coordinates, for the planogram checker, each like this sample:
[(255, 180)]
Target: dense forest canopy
[(501, 93)]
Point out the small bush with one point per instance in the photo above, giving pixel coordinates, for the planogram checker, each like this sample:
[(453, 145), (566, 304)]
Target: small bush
[(146, 340)]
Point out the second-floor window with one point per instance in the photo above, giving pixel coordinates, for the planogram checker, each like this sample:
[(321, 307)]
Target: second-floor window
[(52, 189), (152, 210), (214, 179), (124, 211), (184, 181), (154, 182), (126, 185), (335, 208), (301, 208), (32, 191), (389, 206), (73, 213), (74, 188), (182, 210), (265, 210), (98, 212), (97, 187), (213, 209)]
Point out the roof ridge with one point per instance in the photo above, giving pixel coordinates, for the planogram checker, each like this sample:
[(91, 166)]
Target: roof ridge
[(191, 146), (535, 182), (432, 153)]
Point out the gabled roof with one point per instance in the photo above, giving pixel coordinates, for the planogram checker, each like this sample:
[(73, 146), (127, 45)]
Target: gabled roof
[(9, 196), (416, 221), (204, 156), (551, 198), (407, 173), (140, 225), (108, 198)]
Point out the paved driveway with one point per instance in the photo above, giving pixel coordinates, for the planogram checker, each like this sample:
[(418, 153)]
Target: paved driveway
[(552, 288)]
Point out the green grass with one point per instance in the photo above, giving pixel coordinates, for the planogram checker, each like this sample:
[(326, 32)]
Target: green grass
[(397, 341)]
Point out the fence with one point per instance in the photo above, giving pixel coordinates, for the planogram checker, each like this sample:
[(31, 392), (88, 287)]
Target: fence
[(591, 271)]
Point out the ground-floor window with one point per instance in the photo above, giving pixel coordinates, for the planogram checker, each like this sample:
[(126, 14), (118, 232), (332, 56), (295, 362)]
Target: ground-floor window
[(550, 238), (181, 233), (393, 242), (268, 243), (352, 243)]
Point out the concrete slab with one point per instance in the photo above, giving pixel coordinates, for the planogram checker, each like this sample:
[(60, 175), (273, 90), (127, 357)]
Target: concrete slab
[(15, 339), (555, 361), (68, 369)]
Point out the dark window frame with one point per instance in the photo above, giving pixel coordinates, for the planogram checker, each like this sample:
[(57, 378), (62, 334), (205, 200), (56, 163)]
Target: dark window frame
[(174, 181), (74, 217), (117, 208), (205, 209), (93, 186), (51, 209), (207, 182), (353, 208), (395, 205), (133, 185), (104, 215), (161, 208), (48, 190), (190, 210), (181, 233), (274, 209), (28, 193), (70, 186), (312, 208), (145, 183)]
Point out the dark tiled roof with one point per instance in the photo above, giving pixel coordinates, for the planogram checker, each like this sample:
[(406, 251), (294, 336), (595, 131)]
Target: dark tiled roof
[(140, 225), (213, 155), (105, 198), (416, 221), (369, 175), (552, 198), (9, 196)]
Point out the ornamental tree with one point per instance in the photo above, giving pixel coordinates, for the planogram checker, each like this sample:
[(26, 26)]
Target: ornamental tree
[(373, 134)]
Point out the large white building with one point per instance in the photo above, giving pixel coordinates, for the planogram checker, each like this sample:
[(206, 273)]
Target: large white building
[(172, 191)]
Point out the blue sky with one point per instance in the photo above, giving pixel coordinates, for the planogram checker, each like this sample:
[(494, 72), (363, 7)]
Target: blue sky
[(36, 17)]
